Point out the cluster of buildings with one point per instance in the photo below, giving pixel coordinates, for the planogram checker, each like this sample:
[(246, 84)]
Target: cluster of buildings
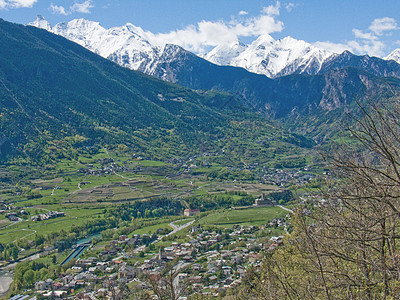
[(284, 177), (116, 246), (6, 208), (103, 170), (107, 166), (209, 262), (48, 215), (14, 215)]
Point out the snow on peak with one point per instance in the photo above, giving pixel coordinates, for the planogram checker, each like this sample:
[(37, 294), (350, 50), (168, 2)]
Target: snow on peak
[(41, 22), (395, 55), (122, 45), (127, 45), (263, 41), (223, 54), (270, 57)]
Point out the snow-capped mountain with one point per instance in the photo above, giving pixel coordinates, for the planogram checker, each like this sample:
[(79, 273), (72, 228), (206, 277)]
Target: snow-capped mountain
[(125, 46), (395, 55), (41, 22), (119, 44), (272, 58), (224, 54)]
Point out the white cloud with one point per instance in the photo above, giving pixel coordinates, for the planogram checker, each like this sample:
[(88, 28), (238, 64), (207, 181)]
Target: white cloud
[(334, 47), (359, 34), (58, 10), (372, 48), (289, 7), (272, 10), (365, 42), (83, 7), (243, 13), (4, 4), (378, 26), (199, 37)]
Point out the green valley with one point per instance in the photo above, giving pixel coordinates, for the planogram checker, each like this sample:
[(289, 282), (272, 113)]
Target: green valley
[(113, 182)]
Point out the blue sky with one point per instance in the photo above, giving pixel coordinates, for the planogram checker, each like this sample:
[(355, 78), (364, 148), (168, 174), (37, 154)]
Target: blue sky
[(361, 26)]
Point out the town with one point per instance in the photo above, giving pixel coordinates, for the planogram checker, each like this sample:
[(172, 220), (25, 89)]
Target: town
[(211, 262)]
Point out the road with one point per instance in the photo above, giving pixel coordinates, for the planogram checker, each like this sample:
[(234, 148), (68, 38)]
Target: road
[(42, 224), (175, 230), (174, 227), (178, 228), (52, 192), (285, 208), (122, 176)]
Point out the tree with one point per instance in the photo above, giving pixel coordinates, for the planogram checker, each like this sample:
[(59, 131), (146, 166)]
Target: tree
[(29, 278), (6, 255), (14, 252), (348, 248)]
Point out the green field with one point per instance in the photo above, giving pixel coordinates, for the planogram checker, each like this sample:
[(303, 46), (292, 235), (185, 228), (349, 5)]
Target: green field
[(67, 186), (150, 229), (28, 229), (183, 222), (252, 216)]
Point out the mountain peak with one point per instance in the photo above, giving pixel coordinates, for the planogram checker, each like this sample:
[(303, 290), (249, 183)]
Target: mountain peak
[(224, 53), (81, 22), (292, 42), (263, 40), (282, 57), (41, 22), (40, 17), (347, 53), (395, 55)]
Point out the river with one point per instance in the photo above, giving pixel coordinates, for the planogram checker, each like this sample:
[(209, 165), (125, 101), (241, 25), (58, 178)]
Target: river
[(6, 273)]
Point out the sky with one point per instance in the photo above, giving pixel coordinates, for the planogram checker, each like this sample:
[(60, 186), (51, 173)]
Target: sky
[(360, 26)]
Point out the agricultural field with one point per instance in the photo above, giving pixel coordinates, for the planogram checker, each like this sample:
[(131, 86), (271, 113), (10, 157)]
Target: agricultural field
[(81, 202), (253, 216), (86, 187)]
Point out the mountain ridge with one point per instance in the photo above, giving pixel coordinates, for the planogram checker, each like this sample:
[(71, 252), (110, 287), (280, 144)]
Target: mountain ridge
[(125, 46), (335, 87), (273, 58), (53, 88)]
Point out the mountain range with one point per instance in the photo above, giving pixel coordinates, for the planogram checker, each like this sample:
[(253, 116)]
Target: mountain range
[(265, 75), (56, 97), (273, 58), (54, 90)]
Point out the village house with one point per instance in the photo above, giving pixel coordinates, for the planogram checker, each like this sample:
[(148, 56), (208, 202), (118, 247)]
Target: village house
[(190, 212)]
